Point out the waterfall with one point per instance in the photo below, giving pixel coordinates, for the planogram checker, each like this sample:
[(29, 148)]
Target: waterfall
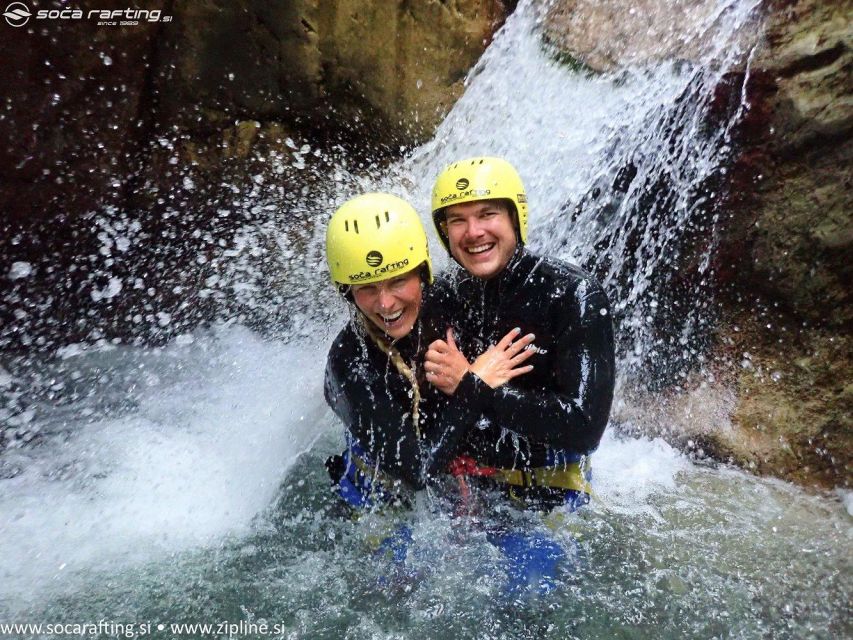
[(185, 482)]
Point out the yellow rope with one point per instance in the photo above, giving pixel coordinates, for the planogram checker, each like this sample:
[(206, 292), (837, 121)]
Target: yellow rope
[(401, 366)]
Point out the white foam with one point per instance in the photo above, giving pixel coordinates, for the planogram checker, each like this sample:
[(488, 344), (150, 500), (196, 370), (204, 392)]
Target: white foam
[(198, 459), (627, 471)]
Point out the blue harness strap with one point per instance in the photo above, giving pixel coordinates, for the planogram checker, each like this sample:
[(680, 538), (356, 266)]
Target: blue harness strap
[(355, 482)]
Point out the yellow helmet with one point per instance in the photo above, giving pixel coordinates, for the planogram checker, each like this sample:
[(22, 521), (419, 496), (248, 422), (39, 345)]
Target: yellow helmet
[(374, 237), (478, 179)]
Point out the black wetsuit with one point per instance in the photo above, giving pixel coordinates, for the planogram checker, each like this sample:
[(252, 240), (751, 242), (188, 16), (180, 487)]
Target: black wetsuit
[(564, 403), (373, 400)]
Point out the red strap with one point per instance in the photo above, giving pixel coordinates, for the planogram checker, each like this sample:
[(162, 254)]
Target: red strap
[(467, 466)]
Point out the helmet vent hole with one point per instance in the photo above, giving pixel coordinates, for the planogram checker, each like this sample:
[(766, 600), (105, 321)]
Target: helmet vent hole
[(355, 225), (387, 217), (377, 222), (346, 225)]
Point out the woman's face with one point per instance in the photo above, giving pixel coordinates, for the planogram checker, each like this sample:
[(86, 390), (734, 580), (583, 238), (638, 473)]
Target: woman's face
[(392, 305)]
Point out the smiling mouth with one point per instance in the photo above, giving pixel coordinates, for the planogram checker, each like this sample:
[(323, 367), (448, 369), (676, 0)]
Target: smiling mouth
[(481, 248), (391, 319)]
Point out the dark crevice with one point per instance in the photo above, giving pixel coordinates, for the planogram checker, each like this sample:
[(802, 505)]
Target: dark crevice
[(815, 62), (830, 137)]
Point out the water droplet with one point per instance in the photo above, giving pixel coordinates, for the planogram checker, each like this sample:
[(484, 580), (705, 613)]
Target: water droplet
[(20, 270)]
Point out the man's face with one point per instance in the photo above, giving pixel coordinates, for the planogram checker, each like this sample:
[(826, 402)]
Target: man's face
[(392, 305), (481, 236)]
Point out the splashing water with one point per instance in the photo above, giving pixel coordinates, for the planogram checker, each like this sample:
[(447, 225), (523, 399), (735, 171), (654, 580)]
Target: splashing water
[(186, 483)]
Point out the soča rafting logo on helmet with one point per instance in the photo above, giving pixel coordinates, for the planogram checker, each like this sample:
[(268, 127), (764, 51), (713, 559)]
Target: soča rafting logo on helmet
[(391, 267), (473, 193), (374, 259)]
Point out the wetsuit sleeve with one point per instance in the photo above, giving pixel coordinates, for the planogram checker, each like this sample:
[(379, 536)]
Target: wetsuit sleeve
[(334, 395), (573, 413)]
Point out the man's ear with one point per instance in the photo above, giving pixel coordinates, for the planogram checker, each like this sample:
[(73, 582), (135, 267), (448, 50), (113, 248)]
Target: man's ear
[(516, 223)]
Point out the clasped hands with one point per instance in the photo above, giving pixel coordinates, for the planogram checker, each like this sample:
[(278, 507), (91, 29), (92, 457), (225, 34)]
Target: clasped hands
[(446, 365)]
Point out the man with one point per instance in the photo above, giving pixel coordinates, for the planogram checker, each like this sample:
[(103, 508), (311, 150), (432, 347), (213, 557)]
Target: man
[(537, 428)]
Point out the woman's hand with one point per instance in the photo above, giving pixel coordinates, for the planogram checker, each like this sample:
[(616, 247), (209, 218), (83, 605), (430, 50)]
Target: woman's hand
[(500, 363), (445, 364)]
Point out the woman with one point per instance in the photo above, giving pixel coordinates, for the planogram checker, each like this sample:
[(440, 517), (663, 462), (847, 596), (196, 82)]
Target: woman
[(400, 431)]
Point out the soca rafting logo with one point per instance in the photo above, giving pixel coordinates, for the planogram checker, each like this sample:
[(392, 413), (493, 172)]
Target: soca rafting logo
[(391, 267), (462, 184), (471, 193), (374, 259), (17, 14)]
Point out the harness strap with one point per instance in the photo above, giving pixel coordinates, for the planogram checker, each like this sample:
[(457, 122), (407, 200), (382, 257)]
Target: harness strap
[(374, 474), (568, 477)]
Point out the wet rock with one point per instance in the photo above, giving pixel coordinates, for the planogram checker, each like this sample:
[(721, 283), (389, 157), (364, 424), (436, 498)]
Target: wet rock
[(783, 415), (793, 414), (784, 251), (390, 68), (608, 35), (782, 263), (73, 94), (791, 228)]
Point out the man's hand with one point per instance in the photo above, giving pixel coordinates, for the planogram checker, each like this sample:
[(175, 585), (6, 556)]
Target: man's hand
[(500, 363), (445, 364)]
